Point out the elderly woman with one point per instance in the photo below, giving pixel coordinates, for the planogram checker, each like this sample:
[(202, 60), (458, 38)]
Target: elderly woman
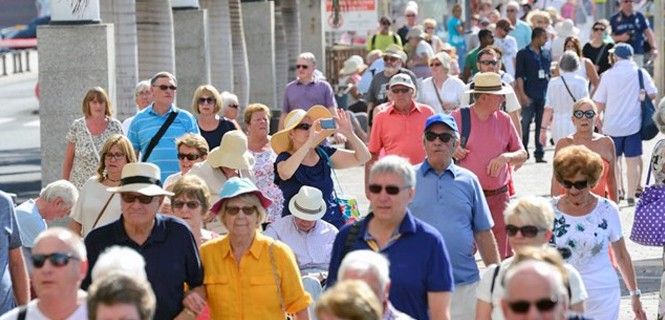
[(206, 104), (598, 48), (245, 267), (230, 107), (192, 149), (562, 92), (584, 116), (121, 296), (586, 68), (87, 135), (586, 225), (142, 98), (190, 202), (96, 206), (441, 91), (301, 160), (419, 52), (528, 225), (257, 121)]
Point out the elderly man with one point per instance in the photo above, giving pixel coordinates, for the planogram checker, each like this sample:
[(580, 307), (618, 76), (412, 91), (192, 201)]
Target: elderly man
[(374, 269), (618, 98), (59, 265), (534, 290), (421, 271), (166, 244), (15, 285), (450, 198), (411, 17), (55, 201), (490, 147), (631, 27), (154, 130), (521, 30), (143, 98)]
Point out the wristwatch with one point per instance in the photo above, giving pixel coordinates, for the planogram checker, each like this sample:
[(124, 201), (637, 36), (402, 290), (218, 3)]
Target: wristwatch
[(635, 293)]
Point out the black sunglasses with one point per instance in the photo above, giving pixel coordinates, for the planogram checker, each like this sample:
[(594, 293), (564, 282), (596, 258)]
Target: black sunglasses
[(303, 126), (208, 100), (523, 306), (390, 189), (598, 29), (188, 156), (164, 87), (435, 64), (390, 59), (527, 231), (579, 114), (400, 90), (302, 66), (234, 106), (579, 185), (248, 211), (58, 259), (488, 62), (130, 198), (190, 204), (444, 137)]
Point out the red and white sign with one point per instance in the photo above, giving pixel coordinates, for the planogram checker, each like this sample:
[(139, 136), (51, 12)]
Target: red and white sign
[(357, 16)]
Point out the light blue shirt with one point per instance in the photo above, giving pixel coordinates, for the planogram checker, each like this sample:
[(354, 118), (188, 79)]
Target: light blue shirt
[(145, 125), (9, 240), (522, 34), (454, 204), (30, 222), (366, 79)]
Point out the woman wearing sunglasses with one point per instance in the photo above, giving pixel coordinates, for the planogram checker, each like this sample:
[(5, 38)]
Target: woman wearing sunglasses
[(441, 91), (302, 160), (206, 105), (190, 202), (599, 45), (247, 275), (192, 149), (528, 225), (587, 226)]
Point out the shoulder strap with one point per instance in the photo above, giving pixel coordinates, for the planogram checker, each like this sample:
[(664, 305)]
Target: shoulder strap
[(649, 173), (158, 135), (641, 77), (22, 312), (466, 125), (99, 216), (373, 41), (568, 89), (600, 54), (438, 97), (395, 39), (494, 276), (278, 283), (354, 230)]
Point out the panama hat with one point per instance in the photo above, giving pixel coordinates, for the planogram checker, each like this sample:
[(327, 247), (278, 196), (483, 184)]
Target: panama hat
[(488, 82), (232, 152), (141, 177), (393, 50), (238, 186), (352, 65), (280, 141), (308, 204)]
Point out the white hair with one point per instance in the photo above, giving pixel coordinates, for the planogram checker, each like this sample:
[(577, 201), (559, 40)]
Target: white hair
[(62, 189), (308, 56), (117, 259), (396, 165), (543, 269), (364, 262), (228, 98), (72, 240), (412, 7), (141, 86)]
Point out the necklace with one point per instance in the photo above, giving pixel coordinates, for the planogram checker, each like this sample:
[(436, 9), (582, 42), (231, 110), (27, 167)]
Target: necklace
[(112, 180), (580, 204)]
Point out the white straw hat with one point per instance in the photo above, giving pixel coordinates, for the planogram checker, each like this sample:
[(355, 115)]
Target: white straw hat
[(141, 177), (308, 204)]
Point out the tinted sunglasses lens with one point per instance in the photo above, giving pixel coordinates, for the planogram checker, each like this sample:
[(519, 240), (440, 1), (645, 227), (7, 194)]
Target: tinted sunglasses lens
[(301, 66), (304, 126), (435, 65), (520, 306), (57, 259), (579, 185), (399, 90), (375, 188), (529, 231), (444, 137), (38, 260), (248, 211), (488, 62), (130, 198), (206, 100), (511, 230), (232, 210), (392, 190), (188, 156), (165, 87), (545, 304)]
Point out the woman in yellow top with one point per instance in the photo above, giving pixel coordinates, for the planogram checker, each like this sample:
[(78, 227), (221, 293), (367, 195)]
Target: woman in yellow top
[(247, 275)]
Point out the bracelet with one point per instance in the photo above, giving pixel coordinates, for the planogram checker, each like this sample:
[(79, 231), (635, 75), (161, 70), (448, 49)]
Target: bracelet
[(190, 312), (635, 293)]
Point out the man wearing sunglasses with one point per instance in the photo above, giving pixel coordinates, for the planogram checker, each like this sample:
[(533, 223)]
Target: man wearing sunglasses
[(450, 199), (384, 37)]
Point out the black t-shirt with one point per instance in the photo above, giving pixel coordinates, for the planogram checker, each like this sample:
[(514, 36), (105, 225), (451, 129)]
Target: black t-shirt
[(214, 138), (592, 53)]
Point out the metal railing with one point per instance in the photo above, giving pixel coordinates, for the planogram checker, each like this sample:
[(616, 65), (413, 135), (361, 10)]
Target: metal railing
[(17, 53)]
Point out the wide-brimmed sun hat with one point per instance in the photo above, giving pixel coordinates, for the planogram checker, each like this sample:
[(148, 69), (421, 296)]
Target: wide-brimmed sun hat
[(280, 141), (232, 152), (308, 204), (488, 82), (238, 186), (393, 50), (141, 177), (352, 65)]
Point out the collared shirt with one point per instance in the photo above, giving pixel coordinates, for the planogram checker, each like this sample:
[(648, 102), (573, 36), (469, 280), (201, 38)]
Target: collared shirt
[(247, 289), (534, 69), (312, 248), (521, 33), (298, 95), (366, 80), (418, 263), (619, 90), (400, 134), (145, 125), (470, 60), (171, 259), (453, 203), (9, 240), (30, 222), (390, 313), (378, 91), (635, 24)]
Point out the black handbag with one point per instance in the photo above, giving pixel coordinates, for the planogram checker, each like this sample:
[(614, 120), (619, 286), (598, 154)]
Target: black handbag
[(648, 128)]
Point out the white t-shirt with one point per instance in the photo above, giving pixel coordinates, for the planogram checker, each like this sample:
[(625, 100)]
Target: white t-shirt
[(450, 92), (508, 46), (92, 198), (559, 100), (33, 312)]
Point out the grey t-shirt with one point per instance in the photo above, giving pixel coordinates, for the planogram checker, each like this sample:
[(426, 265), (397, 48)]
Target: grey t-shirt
[(378, 93), (9, 239)]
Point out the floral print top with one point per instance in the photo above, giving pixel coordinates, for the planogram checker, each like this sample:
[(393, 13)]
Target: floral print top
[(658, 163), (265, 181)]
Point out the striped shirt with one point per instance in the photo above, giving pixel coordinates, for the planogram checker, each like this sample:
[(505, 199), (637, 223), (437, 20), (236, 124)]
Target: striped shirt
[(145, 125)]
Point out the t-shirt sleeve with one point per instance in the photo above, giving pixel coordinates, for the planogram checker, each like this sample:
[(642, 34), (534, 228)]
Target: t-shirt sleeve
[(15, 235), (601, 91), (644, 23), (77, 210), (280, 157), (483, 292), (194, 126), (520, 71), (649, 85), (512, 104), (286, 106), (440, 273), (133, 134), (578, 291), (329, 96), (514, 143), (116, 127), (613, 221)]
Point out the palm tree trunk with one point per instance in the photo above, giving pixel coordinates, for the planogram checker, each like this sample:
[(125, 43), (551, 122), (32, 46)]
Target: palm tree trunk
[(281, 56), (221, 54), (154, 26), (240, 64), (291, 18)]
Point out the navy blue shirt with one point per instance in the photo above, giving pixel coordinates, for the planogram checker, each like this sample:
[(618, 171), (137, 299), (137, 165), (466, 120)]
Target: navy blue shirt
[(418, 263), (528, 66), (635, 24), (171, 257)]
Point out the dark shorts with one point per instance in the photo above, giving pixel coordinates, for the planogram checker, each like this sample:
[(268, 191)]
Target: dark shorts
[(630, 146)]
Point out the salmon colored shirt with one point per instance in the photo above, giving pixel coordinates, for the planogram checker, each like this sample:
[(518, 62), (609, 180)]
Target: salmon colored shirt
[(400, 134), (248, 290)]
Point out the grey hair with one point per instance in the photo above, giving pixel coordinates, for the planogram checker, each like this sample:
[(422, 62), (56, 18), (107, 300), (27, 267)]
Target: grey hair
[(163, 74), (659, 116), (397, 165), (513, 4), (569, 61), (367, 262), (72, 240), (228, 98), (308, 56), (543, 269), (141, 86), (119, 259), (62, 189)]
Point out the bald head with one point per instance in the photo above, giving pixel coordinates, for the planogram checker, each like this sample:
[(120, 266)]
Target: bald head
[(534, 290)]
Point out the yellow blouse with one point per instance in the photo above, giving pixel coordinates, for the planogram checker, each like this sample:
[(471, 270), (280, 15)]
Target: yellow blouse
[(248, 290)]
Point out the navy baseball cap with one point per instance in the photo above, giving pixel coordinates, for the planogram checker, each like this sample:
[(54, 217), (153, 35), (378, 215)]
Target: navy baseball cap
[(622, 50), (441, 118)]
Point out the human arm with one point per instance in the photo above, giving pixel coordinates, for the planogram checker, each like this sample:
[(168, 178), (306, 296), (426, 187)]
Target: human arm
[(545, 124), (349, 158), (286, 168), (611, 175), (521, 95), (514, 158), (75, 227), (195, 300), (19, 276), (439, 305), (592, 74), (68, 162), (368, 165), (652, 41), (487, 246), (483, 310), (282, 116), (628, 274)]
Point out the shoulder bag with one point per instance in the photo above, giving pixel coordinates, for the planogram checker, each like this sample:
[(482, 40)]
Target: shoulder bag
[(347, 204), (438, 97), (648, 128), (649, 223), (568, 89), (101, 213), (160, 133)]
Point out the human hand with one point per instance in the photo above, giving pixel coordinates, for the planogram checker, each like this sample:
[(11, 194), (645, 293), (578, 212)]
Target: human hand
[(343, 123), (543, 136), (637, 308), (194, 302), (316, 134), (460, 153), (496, 165)]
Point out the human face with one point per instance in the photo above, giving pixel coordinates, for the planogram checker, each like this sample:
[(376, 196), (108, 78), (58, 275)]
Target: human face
[(137, 213), (627, 6), (511, 12), (598, 30), (519, 240), (97, 108), (439, 152), (299, 135), (411, 18), (56, 209), (304, 69), (577, 195), (385, 206), (402, 96), (184, 152), (584, 124), (429, 29), (304, 225), (118, 311), (259, 123), (231, 111), (144, 98), (240, 224), (188, 209), (114, 160), (392, 64), (530, 287), (487, 63), (437, 68), (492, 100), (206, 104), (570, 45), (51, 281), (163, 97)]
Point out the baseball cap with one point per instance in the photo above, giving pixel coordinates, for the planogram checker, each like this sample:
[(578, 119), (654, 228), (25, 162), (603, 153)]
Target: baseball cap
[(401, 79), (443, 119), (622, 50)]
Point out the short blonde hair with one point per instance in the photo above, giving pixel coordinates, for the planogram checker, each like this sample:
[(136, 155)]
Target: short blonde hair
[(575, 159), (429, 22), (583, 101), (351, 300), (530, 210), (99, 94), (535, 15), (210, 91), (193, 140), (252, 200), (125, 146), (254, 108)]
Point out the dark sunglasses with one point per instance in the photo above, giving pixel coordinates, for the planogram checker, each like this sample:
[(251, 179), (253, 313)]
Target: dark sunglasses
[(579, 114), (598, 29), (234, 106), (190, 204), (435, 64), (303, 126), (58, 259), (390, 59), (527, 231), (399, 90), (248, 211), (164, 87), (129, 198), (488, 62), (390, 189), (523, 306), (206, 100), (302, 66), (188, 156), (444, 137), (410, 15), (579, 185)]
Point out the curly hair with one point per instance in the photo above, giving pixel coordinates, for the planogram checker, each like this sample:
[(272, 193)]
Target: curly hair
[(572, 160)]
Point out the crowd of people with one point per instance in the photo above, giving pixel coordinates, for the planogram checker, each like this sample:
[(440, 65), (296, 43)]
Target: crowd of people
[(204, 213)]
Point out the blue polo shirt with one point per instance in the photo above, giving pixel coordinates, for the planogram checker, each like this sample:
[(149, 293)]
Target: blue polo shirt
[(418, 263), (453, 203), (165, 154), (527, 66), (171, 259), (636, 23)]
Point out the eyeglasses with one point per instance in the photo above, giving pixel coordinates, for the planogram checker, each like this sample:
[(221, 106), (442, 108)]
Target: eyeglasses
[(390, 59), (248, 211), (410, 15), (488, 62), (523, 306), (234, 106), (302, 66), (208, 100), (579, 185), (303, 126), (399, 90), (435, 64), (129, 198), (385, 23), (164, 87), (188, 156), (190, 204), (58, 259), (444, 137), (390, 189), (511, 10), (115, 156), (527, 231), (598, 29), (579, 114)]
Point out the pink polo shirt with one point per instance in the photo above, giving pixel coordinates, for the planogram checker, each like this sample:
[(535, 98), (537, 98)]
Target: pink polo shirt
[(400, 134), (489, 139)]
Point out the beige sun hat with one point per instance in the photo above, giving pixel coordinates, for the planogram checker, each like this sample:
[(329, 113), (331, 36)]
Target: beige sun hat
[(393, 50), (232, 152), (280, 141), (352, 65), (141, 177), (488, 82), (308, 204)]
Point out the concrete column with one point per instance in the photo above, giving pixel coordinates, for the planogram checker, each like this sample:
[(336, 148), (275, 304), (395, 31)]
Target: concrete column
[(312, 37), (259, 25), (221, 48), (72, 59), (281, 57), (192, 62), (292, 29), (154, 26), (659, 29)]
